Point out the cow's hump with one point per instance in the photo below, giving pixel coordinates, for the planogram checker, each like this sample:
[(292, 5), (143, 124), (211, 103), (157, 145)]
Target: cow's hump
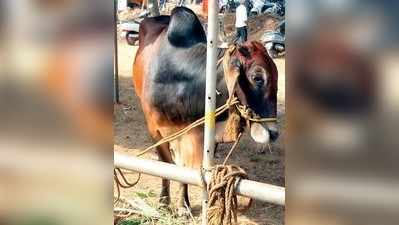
[(185, 29)]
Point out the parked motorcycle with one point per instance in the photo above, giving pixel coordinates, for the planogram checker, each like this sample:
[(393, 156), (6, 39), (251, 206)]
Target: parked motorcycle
[(274, 40), (276, 9), (131, 28)]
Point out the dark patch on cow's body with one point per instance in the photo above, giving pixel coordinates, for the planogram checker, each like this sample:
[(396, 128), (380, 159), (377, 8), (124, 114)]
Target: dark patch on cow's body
[(178, 82)]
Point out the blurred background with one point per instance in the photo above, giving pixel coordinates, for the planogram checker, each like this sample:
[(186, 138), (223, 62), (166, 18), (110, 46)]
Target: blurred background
[(56, 112), (342, 112)]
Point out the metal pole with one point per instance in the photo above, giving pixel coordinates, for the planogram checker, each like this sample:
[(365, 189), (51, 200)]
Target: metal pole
[(157, 168), (210, 98), (259, 191), (116, 73)]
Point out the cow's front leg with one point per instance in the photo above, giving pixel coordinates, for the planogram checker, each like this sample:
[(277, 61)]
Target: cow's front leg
[(164, 197), (183, 203)]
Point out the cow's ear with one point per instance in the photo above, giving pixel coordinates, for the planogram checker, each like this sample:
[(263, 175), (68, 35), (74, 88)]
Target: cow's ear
[(231, 66), (257, 46), (244, 51)]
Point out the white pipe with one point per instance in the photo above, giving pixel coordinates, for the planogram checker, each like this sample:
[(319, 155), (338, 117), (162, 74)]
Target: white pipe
[(210, 97), (156, 168), (259, 191)]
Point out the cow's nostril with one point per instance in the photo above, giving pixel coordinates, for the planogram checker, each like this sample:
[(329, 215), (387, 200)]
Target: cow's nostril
[(273, 134), (258, 80)]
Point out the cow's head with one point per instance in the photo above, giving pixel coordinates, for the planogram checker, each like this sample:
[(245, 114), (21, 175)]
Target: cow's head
[(252, 78)]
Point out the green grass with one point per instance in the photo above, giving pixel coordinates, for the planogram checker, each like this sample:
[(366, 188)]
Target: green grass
[(130, 222), (144, 195)]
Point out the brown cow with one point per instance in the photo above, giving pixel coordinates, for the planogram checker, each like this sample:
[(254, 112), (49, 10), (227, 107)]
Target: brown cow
[(169, 79)]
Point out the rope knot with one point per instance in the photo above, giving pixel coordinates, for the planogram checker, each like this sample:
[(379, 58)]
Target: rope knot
[(223, 207)]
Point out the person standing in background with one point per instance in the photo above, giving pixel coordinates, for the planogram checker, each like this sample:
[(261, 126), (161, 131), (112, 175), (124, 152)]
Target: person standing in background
[(241, 22)]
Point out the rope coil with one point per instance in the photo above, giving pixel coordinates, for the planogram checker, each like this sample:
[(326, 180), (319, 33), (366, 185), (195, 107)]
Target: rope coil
[(222, 200)]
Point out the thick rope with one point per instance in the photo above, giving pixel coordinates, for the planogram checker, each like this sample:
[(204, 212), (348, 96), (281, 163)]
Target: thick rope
[(232, 148), (222, 200), (222, 204), (249, 115)]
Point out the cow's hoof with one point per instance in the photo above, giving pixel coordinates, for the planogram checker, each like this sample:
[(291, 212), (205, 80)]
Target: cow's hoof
[(164, 200), (165, 208), (183, 212)]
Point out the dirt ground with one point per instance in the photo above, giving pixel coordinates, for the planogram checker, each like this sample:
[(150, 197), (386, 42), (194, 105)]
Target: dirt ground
[(259, 162)]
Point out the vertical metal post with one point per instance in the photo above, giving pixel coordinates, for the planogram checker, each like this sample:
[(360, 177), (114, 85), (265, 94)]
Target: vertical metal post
[(210, 97), (116, 73)]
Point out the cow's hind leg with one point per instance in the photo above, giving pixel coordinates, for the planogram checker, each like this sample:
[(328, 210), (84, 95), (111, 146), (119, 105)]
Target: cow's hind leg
[(164, 155)]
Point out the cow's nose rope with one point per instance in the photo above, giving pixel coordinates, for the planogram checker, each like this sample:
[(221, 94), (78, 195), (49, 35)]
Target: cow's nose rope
[(249, 115)]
